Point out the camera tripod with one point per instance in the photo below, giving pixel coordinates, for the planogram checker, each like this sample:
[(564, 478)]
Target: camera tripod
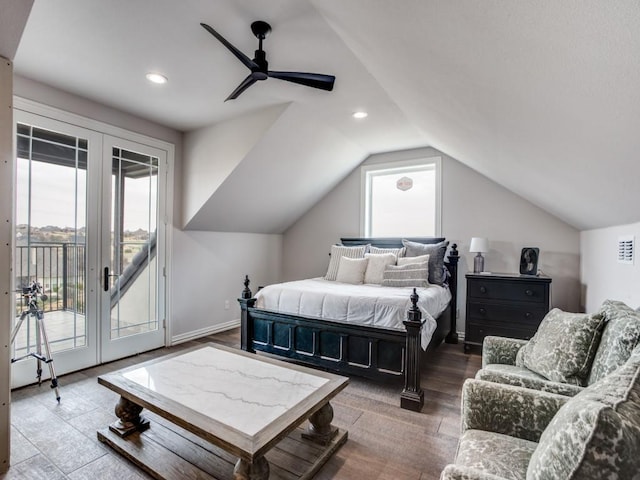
[(31, 294)]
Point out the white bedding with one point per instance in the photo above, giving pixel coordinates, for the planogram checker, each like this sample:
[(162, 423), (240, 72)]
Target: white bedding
[(363, 304)]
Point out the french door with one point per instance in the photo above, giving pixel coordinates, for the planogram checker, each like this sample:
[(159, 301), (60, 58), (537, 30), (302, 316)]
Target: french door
[(89, 245)]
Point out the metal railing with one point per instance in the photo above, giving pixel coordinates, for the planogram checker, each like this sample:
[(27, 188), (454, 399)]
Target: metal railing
[(59, 267)]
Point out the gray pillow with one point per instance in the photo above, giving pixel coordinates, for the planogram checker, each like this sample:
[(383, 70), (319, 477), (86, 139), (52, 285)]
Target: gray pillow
[(436, 252), (563, 348), (410, 275), (620, 336), (596, 434)]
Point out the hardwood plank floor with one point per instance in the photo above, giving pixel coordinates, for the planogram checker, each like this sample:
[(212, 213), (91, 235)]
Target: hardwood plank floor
[(51, 441)]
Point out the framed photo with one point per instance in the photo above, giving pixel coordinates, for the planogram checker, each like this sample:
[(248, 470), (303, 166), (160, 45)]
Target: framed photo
[(529, 261)]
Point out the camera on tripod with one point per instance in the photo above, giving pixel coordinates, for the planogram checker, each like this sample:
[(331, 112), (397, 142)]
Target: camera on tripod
[(31, 292)]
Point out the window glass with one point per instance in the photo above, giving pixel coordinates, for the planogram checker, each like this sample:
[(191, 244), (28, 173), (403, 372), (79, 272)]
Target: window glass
[(402, 200)]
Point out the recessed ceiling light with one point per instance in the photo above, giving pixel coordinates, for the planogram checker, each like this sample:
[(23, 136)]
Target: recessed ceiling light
[(360, 114), (156, 78)]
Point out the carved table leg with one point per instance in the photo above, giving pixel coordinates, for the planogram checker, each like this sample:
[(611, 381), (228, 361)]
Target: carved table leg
[(258, 470), (130, 419), (320, 429)]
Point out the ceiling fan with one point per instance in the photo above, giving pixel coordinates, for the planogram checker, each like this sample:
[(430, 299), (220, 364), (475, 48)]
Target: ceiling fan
[(260, 67)]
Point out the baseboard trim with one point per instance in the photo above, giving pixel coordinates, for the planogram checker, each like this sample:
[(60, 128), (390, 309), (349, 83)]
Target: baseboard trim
[(203, 332)]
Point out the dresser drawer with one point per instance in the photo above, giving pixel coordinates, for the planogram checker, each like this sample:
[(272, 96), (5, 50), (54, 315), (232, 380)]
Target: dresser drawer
[(521, 291), (475, 332), (530, 314)]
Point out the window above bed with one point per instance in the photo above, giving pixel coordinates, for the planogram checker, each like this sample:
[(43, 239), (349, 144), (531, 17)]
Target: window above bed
[(401, 198)]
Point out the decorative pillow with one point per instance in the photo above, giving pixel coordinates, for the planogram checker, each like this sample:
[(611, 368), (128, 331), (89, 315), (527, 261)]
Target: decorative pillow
[(620, 336), (418, 259), (351, 270), (436, 252), (410, 275), (398, 252), (563, 348), (338, 251), (596, 434), (376, 266)]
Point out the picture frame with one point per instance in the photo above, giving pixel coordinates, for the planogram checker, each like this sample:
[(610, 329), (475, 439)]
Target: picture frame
[(529, 261)]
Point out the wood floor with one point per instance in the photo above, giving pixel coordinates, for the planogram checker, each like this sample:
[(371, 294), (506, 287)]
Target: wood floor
[(51, 441)]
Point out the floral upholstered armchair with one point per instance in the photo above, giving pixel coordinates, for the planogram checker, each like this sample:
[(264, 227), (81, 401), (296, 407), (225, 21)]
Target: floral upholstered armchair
[(515, 433), (568, 352)]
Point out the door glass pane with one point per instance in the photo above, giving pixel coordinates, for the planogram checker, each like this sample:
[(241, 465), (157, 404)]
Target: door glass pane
[(134, 193), (51, 177)]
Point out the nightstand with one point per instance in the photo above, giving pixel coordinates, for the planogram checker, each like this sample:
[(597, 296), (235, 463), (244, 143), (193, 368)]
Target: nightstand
[(503, 304)]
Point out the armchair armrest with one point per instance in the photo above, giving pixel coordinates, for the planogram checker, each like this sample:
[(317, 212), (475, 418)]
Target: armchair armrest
[(507, 409), (500, 350), (458, 472)]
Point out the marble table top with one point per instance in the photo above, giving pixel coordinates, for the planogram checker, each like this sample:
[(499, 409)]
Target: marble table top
[(244, 393), (226, 395)]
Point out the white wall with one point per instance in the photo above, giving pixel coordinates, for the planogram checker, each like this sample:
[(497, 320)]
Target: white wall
[(472, 205), (602, 276), (211, 268), (6, 253)]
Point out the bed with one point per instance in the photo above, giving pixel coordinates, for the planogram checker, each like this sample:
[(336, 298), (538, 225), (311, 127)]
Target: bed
[(378, 352)]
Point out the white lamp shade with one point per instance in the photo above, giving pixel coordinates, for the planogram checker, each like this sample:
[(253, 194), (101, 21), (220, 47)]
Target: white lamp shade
[(479, 244)]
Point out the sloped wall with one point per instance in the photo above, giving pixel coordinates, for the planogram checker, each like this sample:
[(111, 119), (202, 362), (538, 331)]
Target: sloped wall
[(472, 205)]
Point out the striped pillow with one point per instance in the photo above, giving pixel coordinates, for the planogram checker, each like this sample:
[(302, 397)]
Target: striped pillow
[(398, 252), (338, 251), (409, 275)]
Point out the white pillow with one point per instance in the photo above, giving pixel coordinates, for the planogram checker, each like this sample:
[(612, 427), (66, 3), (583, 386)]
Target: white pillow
[(408, 260), (377, 264), (351, 270), (338, 251)]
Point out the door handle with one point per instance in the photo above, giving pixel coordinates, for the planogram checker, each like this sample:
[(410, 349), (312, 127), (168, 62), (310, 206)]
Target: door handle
[(105, 278)]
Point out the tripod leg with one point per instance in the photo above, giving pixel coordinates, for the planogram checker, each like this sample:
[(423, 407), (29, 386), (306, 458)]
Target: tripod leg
[(38, 348), (49, 359), (16, 329)]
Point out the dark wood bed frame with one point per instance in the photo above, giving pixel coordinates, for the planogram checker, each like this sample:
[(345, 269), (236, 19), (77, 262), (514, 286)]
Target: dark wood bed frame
[(378, 353)]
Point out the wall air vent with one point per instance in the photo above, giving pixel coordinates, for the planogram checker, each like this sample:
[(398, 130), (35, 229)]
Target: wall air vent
[(625, 249)]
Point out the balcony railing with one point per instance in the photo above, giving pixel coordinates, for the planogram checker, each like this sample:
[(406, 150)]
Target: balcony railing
[(59, 267)]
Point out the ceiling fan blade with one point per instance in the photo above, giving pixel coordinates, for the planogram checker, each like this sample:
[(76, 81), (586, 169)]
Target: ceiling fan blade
[(246, 83), (315, 80), (250, 64)]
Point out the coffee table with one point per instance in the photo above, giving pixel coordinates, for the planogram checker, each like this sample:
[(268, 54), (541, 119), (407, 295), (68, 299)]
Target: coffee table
[(232, 402)]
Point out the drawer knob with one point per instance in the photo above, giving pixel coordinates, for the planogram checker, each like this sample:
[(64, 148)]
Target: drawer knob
[(483, 289), (482, 311), (528, 292), (527, 315)]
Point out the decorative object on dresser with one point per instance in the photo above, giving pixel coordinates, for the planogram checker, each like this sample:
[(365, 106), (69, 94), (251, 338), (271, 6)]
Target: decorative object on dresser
[(529, 261), (503, 304), (360, 347), (478, 245)]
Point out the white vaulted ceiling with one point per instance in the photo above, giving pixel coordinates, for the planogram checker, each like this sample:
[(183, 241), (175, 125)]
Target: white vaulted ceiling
[(541, 96)]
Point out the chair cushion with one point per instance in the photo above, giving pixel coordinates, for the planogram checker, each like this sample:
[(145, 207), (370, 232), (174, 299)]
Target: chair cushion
[(495, 453), (619, 337), (523, 377), (563, 348), (596, 434)]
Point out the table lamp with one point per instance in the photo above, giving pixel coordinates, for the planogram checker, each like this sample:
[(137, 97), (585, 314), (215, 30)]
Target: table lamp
[(478, 245)]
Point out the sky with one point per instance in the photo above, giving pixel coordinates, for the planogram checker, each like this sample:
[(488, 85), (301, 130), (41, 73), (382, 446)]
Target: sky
[(53, 194)]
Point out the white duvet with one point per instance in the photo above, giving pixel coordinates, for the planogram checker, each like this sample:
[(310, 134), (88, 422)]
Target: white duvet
[(363, 304)]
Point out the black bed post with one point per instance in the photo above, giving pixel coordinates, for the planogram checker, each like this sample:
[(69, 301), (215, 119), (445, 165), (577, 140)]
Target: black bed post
[(412, 396), (246, 326), (452, 336)]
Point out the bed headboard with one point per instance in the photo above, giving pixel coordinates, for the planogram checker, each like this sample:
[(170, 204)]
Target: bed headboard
[(451, 262)]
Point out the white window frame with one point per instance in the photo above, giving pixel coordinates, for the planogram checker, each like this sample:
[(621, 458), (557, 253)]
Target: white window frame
[(367, 172)]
